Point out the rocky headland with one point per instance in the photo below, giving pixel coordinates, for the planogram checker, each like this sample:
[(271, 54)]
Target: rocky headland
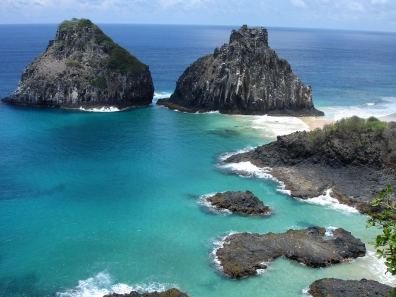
[(243, 253), (244, 76), (245, 203), (83, 67), (169, 293), (356, 158), (348, 288)]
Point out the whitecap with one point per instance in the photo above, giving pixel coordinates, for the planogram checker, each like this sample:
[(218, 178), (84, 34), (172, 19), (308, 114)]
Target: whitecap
[(272, 126), (329, 231), (305, 292), (160, 95), (225, 156), (102, 284), (249, 170), (329, 202), (218, 244), (102, 109), (384, 107)]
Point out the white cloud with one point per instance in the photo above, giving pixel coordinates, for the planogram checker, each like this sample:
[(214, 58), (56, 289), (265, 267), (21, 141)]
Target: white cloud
[(299, 3)]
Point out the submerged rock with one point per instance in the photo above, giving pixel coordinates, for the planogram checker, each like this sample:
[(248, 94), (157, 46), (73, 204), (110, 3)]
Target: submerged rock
[(356, 158), (348, 288), (244, 76), (243, 253), (84, 67), (169, 293), (245, 203)]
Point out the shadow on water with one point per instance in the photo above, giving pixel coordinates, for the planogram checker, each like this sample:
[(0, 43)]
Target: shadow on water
[(23, 286), (226, 133)]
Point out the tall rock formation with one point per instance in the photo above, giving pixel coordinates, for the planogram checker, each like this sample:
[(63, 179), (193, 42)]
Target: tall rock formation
[(84, 67), (243, 77)]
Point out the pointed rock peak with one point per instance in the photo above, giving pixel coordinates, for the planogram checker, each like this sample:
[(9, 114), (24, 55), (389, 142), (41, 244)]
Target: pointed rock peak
[(255, 37)]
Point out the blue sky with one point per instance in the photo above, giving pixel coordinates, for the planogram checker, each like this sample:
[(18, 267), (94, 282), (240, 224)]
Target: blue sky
[(372, 15)]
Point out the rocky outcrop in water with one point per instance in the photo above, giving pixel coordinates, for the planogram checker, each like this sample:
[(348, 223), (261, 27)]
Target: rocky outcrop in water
[(245, 203), (348, 288), (244, 76), (243, 253), (84, 67), (169, 293), (356, 158)]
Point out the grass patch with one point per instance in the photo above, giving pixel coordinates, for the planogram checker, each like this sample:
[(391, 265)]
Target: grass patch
[(73, 63)]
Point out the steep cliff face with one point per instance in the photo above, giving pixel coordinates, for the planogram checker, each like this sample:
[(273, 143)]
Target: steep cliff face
[(84, 67), (244, 77)]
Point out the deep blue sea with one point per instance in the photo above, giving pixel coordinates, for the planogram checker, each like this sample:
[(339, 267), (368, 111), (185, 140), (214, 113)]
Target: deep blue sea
[(92, 203)]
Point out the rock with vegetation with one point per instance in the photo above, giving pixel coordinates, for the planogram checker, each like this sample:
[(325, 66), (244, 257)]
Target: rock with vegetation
[(245, 203), (169, 293), (348, 288), (244, 76), (82, 66), (243, 253), (354, 157)]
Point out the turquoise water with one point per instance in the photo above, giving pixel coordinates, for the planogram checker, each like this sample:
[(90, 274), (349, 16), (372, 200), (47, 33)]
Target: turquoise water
[(96, 202)]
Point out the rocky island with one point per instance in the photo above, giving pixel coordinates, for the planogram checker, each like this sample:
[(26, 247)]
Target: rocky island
[(169, 293), (245, 203), (348, 288), (244, 76), (354, 157), (243, 253), (83, 67)]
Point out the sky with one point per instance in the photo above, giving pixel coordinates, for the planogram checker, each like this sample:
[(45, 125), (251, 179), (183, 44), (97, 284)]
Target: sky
[(366, 15)]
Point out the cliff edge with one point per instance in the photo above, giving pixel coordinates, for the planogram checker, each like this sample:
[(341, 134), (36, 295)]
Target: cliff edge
[(83, 67), (354, 157), (244, 76)]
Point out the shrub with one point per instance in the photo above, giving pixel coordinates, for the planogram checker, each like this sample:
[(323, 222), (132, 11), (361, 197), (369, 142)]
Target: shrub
[(99, 81)]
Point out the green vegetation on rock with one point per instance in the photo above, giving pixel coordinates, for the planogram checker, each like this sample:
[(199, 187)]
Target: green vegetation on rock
[(385, 243), (100, 82), (119, 58), (73, 63)]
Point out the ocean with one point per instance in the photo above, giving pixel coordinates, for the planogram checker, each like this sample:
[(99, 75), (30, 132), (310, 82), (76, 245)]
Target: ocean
[(100, 202)]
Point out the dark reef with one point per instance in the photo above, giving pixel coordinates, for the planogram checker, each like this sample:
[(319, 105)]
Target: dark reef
[(245, 203), (84, 67), (243, 253), (348, 288), (169, 293), (244, 76)]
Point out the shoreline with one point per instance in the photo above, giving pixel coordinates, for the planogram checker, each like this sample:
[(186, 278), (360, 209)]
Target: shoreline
[(319, 122)]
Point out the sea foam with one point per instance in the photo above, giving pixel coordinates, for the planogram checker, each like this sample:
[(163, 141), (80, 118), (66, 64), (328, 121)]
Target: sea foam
[(329, 202), (272, 126), (102, 284), (383, 107), (217, 244), (102, 109), (203, 202)]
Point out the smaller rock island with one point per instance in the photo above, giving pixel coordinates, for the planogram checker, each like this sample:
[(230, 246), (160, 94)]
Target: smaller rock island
[(244, 76), (169, 293), (243, 253), (245, 203), (83, 67), (348, 288)]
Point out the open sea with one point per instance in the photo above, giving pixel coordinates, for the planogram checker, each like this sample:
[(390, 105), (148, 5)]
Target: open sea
[(99, 202)]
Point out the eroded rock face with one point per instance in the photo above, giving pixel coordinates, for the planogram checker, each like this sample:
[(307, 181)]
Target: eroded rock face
[(242, 77), (348, 288), (245, 203), (84, 67), (169, 293), (243, 253)]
